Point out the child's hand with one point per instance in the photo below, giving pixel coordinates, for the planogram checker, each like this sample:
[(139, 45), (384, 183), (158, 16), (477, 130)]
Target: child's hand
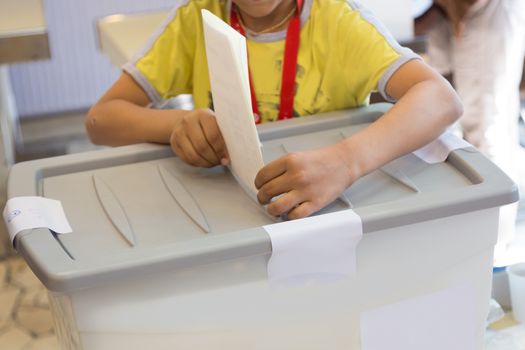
[(197, 140), (307, 181)]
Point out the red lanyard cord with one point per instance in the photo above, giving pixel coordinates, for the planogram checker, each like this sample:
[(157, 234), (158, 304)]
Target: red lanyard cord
[(289, 69)]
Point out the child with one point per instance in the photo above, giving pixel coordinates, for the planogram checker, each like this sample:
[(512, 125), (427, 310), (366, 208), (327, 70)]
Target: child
[(343, 55)]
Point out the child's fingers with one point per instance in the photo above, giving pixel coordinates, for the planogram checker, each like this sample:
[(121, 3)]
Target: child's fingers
[(189, 154), (303, 210), (213, 136), (200, 144), (273, 188), (285, 203), (270, 171), (176, 148)]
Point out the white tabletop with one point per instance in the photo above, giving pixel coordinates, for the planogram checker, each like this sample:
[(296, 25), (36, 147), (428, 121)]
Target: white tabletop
[(120, 36), (21, 17), (23, 37)]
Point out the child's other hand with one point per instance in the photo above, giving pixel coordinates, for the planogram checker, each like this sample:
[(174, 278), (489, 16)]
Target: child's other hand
[(197, 140), (307, 181)]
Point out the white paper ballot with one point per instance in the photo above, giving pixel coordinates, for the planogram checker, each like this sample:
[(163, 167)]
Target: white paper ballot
[(24, 213), (438, 150), (317, 248), (230, 86), (442, 320)]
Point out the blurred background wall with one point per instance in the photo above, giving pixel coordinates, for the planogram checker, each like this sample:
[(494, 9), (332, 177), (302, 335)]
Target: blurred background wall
[(78, 73)]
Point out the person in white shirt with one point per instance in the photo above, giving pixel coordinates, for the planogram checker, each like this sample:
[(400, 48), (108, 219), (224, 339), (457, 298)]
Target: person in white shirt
[(482, 44)]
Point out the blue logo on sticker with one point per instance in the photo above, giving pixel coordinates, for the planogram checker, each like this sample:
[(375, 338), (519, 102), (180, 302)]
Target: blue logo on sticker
[(13, 215)]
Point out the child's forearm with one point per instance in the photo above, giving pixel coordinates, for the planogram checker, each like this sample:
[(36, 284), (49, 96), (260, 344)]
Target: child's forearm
[(421, 115), (119, 122)]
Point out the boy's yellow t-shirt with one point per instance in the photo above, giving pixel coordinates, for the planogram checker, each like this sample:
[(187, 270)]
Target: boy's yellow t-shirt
[(344, 55)]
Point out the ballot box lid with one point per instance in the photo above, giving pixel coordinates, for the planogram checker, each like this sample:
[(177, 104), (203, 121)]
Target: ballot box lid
[(139, 209)]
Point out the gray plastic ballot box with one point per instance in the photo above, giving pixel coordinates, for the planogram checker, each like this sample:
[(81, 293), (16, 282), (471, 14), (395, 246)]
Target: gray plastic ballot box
[(168, 256)]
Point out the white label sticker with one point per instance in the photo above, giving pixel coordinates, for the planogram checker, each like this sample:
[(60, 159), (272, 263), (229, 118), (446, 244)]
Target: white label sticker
[(24, 213), (438, 150), (316, 248)]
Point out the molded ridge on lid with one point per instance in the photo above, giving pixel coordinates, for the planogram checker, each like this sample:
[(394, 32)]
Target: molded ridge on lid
[(114, 209), (183, 197)]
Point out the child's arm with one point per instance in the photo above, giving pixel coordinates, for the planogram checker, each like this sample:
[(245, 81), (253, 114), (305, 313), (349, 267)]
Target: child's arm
[(122, 117), (308, 181)]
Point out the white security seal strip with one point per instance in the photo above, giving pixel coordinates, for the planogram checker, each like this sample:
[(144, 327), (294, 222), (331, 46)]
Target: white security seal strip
[(317, 248), (24, 213), (438, 150)]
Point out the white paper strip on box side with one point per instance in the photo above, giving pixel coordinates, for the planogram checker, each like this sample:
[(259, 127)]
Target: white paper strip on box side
[(24, 213), (316, 248)]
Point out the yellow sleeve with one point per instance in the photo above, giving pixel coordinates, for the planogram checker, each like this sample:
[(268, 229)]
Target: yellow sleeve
[(368, 52), (163, 68)]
